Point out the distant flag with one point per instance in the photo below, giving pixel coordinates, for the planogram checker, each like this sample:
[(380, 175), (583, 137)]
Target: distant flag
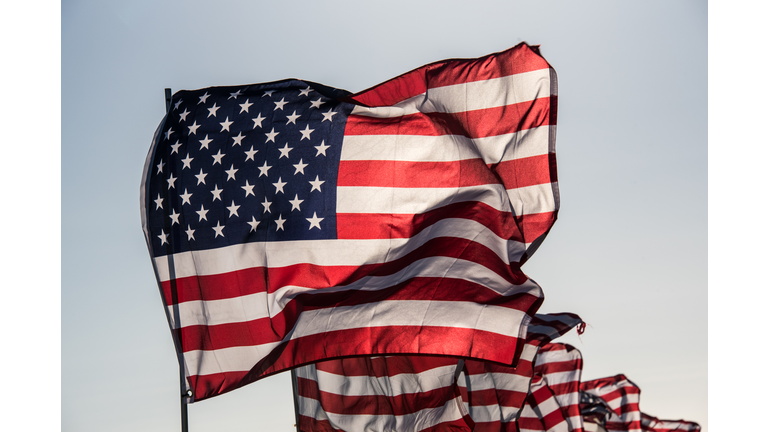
[(290, 222), (653, 424), (622, 396), (594, 411), (561, 365), (414, 392), (541, 411)]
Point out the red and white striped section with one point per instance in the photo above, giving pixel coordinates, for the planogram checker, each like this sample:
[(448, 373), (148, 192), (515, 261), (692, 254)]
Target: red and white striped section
[(447, 183), (541, 411), (623, 398), (653, 424), (560, 365)]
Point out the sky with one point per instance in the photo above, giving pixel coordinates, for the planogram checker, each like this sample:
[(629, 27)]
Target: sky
[(629, 252)]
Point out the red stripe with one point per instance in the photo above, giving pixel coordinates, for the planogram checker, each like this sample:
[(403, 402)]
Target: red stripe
[(266, 330), (523, 229), (384, 366), (364, 342), (602, 382), (562, 366), (513, 61), (473, 124), (512, 174), (237, 283)]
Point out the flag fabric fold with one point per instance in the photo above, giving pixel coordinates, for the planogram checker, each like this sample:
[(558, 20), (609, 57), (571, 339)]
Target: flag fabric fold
[(290, 222), (561, 365), (653, 424), (541, 411), (380, 393), (622, 396)]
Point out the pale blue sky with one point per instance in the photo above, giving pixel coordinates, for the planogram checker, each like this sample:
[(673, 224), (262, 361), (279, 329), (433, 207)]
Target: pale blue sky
[(628, 253)]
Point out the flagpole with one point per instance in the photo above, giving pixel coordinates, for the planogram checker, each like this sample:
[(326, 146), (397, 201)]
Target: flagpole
[(295, 386), (185, 395)]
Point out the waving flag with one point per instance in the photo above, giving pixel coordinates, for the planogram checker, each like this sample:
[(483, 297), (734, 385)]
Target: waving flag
[(420, 392), (561, 365), (541, 411), (652, 424), (622, 396), (290, 222)]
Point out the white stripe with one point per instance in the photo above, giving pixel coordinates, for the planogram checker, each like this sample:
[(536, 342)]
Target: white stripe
[(497, 380), (447, 148), (492, 413), (330, 252), (356, 199), (533, 199), (395, 385), (263, 305), (236, 359), (491, 93), (555, 378)]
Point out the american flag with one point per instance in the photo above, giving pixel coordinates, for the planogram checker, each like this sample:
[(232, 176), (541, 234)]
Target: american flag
[(653, 424), (415, 392), (290, 222), (561, 365), (541, 411), (622, 396)]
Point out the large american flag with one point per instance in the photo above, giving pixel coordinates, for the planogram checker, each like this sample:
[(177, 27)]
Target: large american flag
[(622, 396), (290, 222), (422, 392)]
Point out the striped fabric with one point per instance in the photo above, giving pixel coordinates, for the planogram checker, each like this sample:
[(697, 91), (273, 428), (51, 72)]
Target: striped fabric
[(653, 424), (561, 365), (419, 392), (622, 396), (436, 186), (541, 411)]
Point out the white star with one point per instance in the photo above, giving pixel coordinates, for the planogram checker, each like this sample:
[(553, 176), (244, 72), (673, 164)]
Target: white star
[(244, 106), (248, 189), (305, 92), (217, 157), (238, 139), (296, 203), (279, 185), (231, 172), (266, 205), (217, 192), (321, 149), (317, 103), (163, 239), (204, 142), (292, 118), (280, 222), (250, 154), (233, 209), (190, 233), (264, 169), (268, 93), (314, 221), (160, 166), (158, 202), (219, 229), (171, 181), (212, 110), (271, 135), (300, 167), (202, 212), (257, 121), (305, 133), (175, 107), (193, 128), (183, 116), (168, 133), (234, 95), (285, 150), (203, 98), (329, 115), (253, 223), (279, 105), (174, 217), (316, 184), (175, 147), (201, 177), (187, 161), (225, 125), (185, 197)]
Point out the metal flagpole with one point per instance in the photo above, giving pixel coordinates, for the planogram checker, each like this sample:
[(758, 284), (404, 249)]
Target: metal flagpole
[(185, 395), (295, 385)]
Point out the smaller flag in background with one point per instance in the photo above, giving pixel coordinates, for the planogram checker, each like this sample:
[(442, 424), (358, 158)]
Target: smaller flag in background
[(622, 396), (561, 365), (541, 411), (653, 424)]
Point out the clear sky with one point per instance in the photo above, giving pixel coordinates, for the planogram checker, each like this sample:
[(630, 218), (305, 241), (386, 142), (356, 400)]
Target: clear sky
[(628, 252)]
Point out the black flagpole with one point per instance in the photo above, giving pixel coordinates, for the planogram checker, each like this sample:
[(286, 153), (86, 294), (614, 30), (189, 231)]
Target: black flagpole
[(182, 379), (295, 385)]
